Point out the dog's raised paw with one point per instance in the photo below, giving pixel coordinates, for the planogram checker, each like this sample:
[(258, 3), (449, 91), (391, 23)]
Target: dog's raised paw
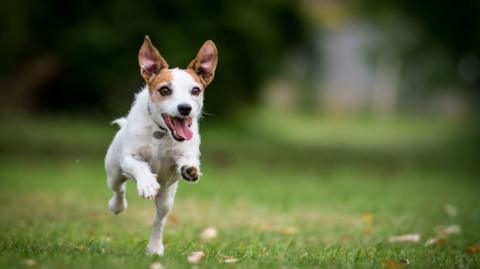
[(148, 189), (189, 173)]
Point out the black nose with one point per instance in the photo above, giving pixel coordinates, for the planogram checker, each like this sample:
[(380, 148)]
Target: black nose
[(184, 109)]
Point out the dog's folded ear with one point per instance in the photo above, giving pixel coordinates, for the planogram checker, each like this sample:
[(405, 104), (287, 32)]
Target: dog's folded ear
[(205, 62), (150, 60)]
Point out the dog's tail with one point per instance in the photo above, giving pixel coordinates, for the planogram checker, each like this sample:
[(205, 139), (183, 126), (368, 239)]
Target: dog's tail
[(121, 122)]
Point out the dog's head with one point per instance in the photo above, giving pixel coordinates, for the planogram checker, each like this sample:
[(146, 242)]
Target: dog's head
[(176, 95)]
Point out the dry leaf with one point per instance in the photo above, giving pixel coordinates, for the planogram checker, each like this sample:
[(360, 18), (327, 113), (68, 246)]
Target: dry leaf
[(404, 238), (284, 230), (30, 262), (105, 238), (473, 250), (367, 219), (172, 219), (288, 230), (195, 257), (395, 265), (156, 265), (208, 233), (444, 232), (450, 210), (435, 241), (230, 259), (390, 265)]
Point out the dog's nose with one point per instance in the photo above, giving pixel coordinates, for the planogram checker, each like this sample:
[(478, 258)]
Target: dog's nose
[(184, 109)]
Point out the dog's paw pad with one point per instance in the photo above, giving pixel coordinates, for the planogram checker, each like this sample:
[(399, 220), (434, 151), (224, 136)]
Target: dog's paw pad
[(189, 173)]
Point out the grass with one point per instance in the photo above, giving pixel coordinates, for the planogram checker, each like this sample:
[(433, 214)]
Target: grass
[(328, 196)]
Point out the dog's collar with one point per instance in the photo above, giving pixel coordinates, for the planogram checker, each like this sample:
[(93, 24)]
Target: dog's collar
[(158, 134)]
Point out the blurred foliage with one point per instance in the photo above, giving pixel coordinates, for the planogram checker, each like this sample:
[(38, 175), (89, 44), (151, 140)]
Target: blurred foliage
[(445, 49), (81, 56), (446, 23)]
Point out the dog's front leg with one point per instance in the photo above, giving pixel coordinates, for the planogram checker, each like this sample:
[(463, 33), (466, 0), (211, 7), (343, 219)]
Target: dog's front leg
[(189, 165), (138, 170), (164, 203)]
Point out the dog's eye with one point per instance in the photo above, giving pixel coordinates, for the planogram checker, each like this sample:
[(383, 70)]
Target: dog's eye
[(164, 91), (196, 91)]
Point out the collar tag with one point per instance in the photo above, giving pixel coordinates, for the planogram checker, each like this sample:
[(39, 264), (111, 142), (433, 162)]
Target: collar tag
[(158, 134)]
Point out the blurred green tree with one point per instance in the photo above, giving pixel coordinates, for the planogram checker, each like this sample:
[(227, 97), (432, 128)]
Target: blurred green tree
[(81, 56)]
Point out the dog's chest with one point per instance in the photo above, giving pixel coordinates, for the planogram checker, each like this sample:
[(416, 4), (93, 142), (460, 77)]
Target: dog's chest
[(161, 158)]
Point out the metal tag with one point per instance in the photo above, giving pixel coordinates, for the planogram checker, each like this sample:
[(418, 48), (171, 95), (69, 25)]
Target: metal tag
[(158, 135)]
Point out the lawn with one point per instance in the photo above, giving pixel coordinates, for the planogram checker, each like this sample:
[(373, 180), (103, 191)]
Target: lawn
[(322, 193)]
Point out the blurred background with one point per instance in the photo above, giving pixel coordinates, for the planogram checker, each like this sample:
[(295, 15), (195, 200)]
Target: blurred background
[(382, 59), (325, 73), (324, 116), (328, 79)]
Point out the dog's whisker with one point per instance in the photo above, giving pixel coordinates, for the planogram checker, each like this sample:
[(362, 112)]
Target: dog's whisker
[(208, 114), (203, 114)]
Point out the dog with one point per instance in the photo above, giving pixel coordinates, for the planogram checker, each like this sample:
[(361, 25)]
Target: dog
[(158, 141)]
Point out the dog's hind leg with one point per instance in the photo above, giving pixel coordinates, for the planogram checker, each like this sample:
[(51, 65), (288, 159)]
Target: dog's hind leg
[(116, 181), (118, 202), (164, 203)]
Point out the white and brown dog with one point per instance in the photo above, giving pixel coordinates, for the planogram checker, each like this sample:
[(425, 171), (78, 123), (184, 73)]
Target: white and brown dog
[(159, 141)]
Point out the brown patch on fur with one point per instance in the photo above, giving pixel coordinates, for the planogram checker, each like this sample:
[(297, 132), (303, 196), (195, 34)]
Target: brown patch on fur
[(205, 63), (195, 77), (164, 77), (150, 60)]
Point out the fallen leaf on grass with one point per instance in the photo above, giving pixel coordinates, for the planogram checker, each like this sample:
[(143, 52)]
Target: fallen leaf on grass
[(473, 250), (172, 219), (156, 265), (404, 238), (208, 233), (230, 259), (391, 265), (195, 257), (283, 230), (450, 210), (367, 221), (435, 241), (367, 218), (445, 231), (395, 265), (105, 238), (442, 234), (288, 230), (30, 262)]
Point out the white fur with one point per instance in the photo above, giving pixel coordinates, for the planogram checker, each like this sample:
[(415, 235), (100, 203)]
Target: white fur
[(154, 164)]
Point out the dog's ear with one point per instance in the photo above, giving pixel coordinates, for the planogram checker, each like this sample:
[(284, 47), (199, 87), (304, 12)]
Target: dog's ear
[(150, 60), (205, 62)]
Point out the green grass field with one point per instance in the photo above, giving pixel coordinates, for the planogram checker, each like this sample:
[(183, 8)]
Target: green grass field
[(319, 194)]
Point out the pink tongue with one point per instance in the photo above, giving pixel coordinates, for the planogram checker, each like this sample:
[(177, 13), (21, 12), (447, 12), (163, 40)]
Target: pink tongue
[(182, 130)]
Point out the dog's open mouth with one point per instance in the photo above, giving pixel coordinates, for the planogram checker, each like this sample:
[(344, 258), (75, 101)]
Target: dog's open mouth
[(178, 127)]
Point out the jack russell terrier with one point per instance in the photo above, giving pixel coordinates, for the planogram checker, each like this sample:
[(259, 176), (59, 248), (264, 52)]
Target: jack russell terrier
[(158, 140)]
